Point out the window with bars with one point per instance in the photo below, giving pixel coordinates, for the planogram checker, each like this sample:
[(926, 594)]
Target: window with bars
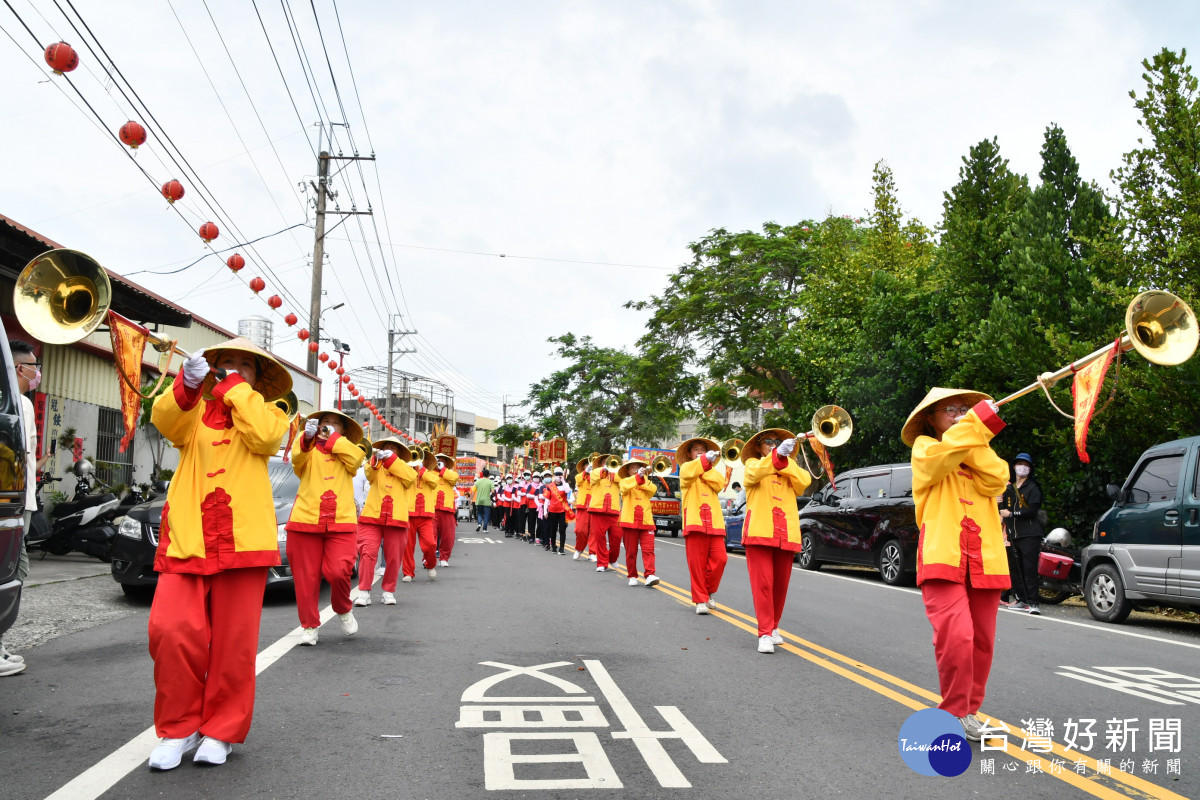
[(112, 466)]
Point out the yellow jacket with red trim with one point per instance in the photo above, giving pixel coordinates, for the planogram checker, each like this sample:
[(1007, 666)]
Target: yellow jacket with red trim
[(387, 499), (421, 500), (699, 483), (606, 493), (955, 485), (325, 501), (636, 491), (583, 490), (219, 513), (446, 490), (772, 486)]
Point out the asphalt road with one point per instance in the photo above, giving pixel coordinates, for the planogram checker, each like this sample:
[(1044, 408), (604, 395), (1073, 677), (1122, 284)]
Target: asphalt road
[(632, 693)]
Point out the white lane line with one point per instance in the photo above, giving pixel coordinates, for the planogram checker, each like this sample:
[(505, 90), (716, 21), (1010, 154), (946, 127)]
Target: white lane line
[(105, 774)]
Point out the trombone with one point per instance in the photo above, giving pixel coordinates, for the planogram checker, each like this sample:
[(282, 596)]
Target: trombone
[(290, 405), (365, 445), (662, 465), (731, 449), (831, 426), (607, 460), (1158, 325)]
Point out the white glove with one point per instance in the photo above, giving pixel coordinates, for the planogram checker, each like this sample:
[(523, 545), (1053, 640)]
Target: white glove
[(992, 405), (641, 470), (195, 369), (785, 447), (378, 454), (712, 456), (310, 429)]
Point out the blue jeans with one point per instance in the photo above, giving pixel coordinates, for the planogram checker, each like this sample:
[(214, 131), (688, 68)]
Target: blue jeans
[(484, 515)]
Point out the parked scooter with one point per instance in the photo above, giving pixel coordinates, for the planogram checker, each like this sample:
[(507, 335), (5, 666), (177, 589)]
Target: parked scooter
[(1059, 567), (82, 524)]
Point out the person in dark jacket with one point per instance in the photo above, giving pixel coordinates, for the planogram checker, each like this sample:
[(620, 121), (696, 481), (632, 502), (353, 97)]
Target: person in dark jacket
[(1019, 510)]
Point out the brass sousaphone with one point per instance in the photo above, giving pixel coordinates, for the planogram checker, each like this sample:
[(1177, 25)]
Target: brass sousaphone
[(1158, 325)]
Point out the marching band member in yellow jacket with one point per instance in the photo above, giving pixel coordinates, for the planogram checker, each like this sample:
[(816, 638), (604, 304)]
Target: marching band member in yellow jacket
[(422, 502), (703, 523), (384, 517), (217, 539), (771, 534), (604, 510), (444, 517), (961, 565), (324, 519), (583, 492), (637, 521)]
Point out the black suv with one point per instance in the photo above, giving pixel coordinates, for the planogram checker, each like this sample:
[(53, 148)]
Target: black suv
[(870, 520), (136, 541), (12, 486)]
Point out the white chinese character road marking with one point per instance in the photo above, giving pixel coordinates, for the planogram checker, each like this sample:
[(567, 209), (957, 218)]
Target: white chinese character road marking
[(477, 692), (516, 717), (499, 760), (649, 742), (1168, 688)]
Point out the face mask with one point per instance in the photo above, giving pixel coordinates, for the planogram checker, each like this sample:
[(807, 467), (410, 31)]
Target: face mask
[(36, 380), (1021, 470)]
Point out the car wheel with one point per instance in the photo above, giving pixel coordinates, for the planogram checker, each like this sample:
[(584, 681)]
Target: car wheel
[(808, 550), (891, 563), (1105, 594)]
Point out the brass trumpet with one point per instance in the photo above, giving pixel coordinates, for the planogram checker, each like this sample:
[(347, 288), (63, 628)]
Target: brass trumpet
[(612, 462), (831, 426), (731, 449), (1158, 325), (662, 465)]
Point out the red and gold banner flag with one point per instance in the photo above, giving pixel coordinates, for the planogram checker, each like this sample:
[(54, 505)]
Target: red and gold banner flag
[(558, 449), (826, 462), (128, 343), (1085, 390)]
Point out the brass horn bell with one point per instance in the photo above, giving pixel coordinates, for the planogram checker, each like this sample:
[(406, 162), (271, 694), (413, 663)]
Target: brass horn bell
[(731, 449), (62, 296), (832, 426), (662, 465)]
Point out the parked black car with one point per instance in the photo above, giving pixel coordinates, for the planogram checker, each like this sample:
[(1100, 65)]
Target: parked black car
[(735, 522), (137, 535), (12, 486), (870, 520)]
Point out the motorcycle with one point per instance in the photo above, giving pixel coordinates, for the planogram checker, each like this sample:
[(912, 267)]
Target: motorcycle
[(82, 524), (1059, 568)]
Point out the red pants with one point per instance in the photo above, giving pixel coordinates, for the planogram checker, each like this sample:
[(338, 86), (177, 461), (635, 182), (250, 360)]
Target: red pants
[(445, 524), (581, 531), (394, 538), (706, 558), (964, 635), (313, 556), (635, 538), (204, 641), (770, 571), (420, 529), (604, 537)]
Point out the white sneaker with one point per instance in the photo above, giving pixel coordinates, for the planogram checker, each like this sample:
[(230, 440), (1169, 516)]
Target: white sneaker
[(712, 602), (633, 581), (11, 667), (576, 556), (406, 579), (212, 751), (443, 563), (349, 623), (601, 569), (432, 573), (12, 658), (775, 637), (592, 557), (389, 599), (308, 636), (701, 608), (765, 645), (478, 528), (169, 752), (651, 580), (363, 598)]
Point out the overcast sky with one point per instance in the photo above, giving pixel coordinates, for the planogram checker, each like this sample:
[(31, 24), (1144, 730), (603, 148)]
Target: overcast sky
[(555, 133)]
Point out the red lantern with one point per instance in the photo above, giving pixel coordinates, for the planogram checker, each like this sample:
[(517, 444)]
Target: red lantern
[(290, 319), (313, 347), (172, 190), (275, 301), (351, 388), (324, 356), (209, 231), (345, 378), (133, 134), (341, 370), (257, 285), (61, 57), (302, 334), (235, 262)]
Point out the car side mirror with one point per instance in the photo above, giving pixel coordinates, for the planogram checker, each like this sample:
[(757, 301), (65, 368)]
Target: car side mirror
[(833, 500), (1114, 492)]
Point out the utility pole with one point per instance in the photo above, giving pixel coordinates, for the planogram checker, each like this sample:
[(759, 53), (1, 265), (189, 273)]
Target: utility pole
[(321, 188), (392, 352)]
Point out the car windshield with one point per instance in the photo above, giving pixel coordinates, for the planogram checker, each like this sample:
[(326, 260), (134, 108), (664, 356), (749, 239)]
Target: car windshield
[(284, 483), (665, 487)]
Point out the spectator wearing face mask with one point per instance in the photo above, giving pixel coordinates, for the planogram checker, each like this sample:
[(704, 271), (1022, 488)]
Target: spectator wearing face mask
[(558, 499), (1019, 509)]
